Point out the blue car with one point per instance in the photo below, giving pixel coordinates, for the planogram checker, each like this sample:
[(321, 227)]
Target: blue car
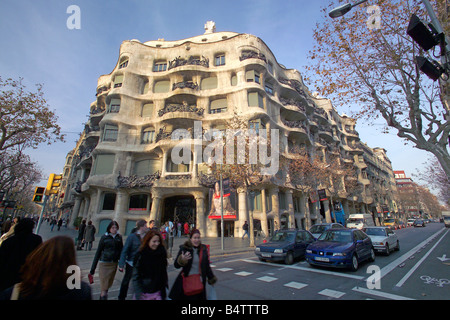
[(285, 245), (340, 248)]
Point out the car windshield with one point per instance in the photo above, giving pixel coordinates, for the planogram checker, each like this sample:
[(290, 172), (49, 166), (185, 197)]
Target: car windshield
[(389, 220), (344, 236), (283, 236), (318, 229), (354, 220), (375, 232), (447, 218)]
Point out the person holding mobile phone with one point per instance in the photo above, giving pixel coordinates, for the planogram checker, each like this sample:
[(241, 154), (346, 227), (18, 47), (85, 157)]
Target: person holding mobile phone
[(193, 259)]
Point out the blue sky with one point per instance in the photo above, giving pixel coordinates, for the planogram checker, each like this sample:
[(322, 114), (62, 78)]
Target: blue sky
[(38, 46)]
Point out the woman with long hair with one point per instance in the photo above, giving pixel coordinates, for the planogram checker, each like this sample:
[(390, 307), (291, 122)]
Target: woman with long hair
[(45, 274), (108, 254), (193, 260), (150, 278)]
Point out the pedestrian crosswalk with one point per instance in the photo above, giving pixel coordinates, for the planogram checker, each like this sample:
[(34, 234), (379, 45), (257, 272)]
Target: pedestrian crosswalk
[(271, 278)]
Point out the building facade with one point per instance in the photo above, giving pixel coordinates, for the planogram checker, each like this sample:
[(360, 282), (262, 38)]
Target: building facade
[(122, 168)]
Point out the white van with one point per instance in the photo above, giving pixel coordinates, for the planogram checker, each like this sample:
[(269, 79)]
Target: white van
[(360, 220)]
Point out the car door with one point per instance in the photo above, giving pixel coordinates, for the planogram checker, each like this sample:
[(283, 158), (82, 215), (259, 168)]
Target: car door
[(392, 239), (363, 244), (300, 246)]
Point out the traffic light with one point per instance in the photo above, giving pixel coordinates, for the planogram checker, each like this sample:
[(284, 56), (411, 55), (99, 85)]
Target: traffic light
[(427, 37), (53, 184), (38, 194)]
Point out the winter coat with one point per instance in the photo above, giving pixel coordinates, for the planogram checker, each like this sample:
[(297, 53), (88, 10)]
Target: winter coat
[(150, 271), (13, 253), (129, 250), (89, 233), (81, 231), (109, 249), (176, 293)]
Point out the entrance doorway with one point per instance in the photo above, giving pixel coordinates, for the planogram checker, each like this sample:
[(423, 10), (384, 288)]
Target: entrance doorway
[(228, 228), (179, 208)]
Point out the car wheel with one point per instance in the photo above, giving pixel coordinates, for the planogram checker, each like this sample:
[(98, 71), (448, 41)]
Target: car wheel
[(289, 258), (388, 250), (355, 264), (372, 255), (397, 248)]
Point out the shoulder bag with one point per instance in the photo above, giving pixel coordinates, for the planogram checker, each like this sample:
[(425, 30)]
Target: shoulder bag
[(193, 284)]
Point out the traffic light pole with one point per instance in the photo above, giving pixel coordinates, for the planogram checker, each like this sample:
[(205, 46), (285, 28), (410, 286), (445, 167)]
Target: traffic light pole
[(42, 214)]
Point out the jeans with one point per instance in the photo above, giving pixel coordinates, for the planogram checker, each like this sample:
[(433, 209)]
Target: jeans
[(125, 282), (246, 233)]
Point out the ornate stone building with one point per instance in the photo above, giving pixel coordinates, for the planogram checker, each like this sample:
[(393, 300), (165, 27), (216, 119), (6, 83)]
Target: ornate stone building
[(123, 168)]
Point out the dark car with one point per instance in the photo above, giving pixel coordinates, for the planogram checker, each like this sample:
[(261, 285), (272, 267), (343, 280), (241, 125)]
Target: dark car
[(419, 223), (285, 245), (341, 248)]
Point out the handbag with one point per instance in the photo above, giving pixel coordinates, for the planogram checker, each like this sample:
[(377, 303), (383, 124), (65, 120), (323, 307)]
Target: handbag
[(193, 284)]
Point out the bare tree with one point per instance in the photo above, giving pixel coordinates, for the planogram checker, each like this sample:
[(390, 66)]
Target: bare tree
[(374, 71)]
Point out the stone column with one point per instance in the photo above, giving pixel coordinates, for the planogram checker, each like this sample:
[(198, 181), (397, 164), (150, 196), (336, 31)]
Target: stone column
[(155, 212), (275, 208), (75, 211), (121, 209), (290, 205), (200, 210), (243, 214)]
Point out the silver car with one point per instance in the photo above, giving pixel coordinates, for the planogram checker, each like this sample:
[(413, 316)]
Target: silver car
[(383, 239)]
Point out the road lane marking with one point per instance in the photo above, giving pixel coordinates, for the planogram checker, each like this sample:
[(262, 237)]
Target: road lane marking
[(224, 269), (410, 272), (295, 285), (397, 262), (344, 275), (331, 293), (267, 279), (243, 273), (380, 294)]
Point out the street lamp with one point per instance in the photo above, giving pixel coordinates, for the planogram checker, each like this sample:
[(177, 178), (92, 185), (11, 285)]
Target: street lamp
[(343, 9)]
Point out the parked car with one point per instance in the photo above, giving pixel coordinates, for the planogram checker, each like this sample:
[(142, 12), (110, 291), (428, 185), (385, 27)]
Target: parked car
[(410, 222), (285, 245), (340, 248), (383, 239), (419, 223), (391, 223), (318, 229)]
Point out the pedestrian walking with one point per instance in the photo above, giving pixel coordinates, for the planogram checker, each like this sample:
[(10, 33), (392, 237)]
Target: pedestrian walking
[(186, 228), (15, 250), (60, 222), (89, 236), (193, 260), (47, 279), (52, 224), (150, 279), (108, 254), (245, 228), (80, 238), (179, 228), (127, 255)]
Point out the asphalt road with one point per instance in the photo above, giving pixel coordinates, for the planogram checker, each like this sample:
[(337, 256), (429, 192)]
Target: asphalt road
[(419, 271)]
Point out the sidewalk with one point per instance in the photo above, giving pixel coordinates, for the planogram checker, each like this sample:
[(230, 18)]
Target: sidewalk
[(231, 245)]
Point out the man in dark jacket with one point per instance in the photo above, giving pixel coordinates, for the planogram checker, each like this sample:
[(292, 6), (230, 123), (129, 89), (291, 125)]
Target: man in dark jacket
[(127, 256), (15, 250)]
